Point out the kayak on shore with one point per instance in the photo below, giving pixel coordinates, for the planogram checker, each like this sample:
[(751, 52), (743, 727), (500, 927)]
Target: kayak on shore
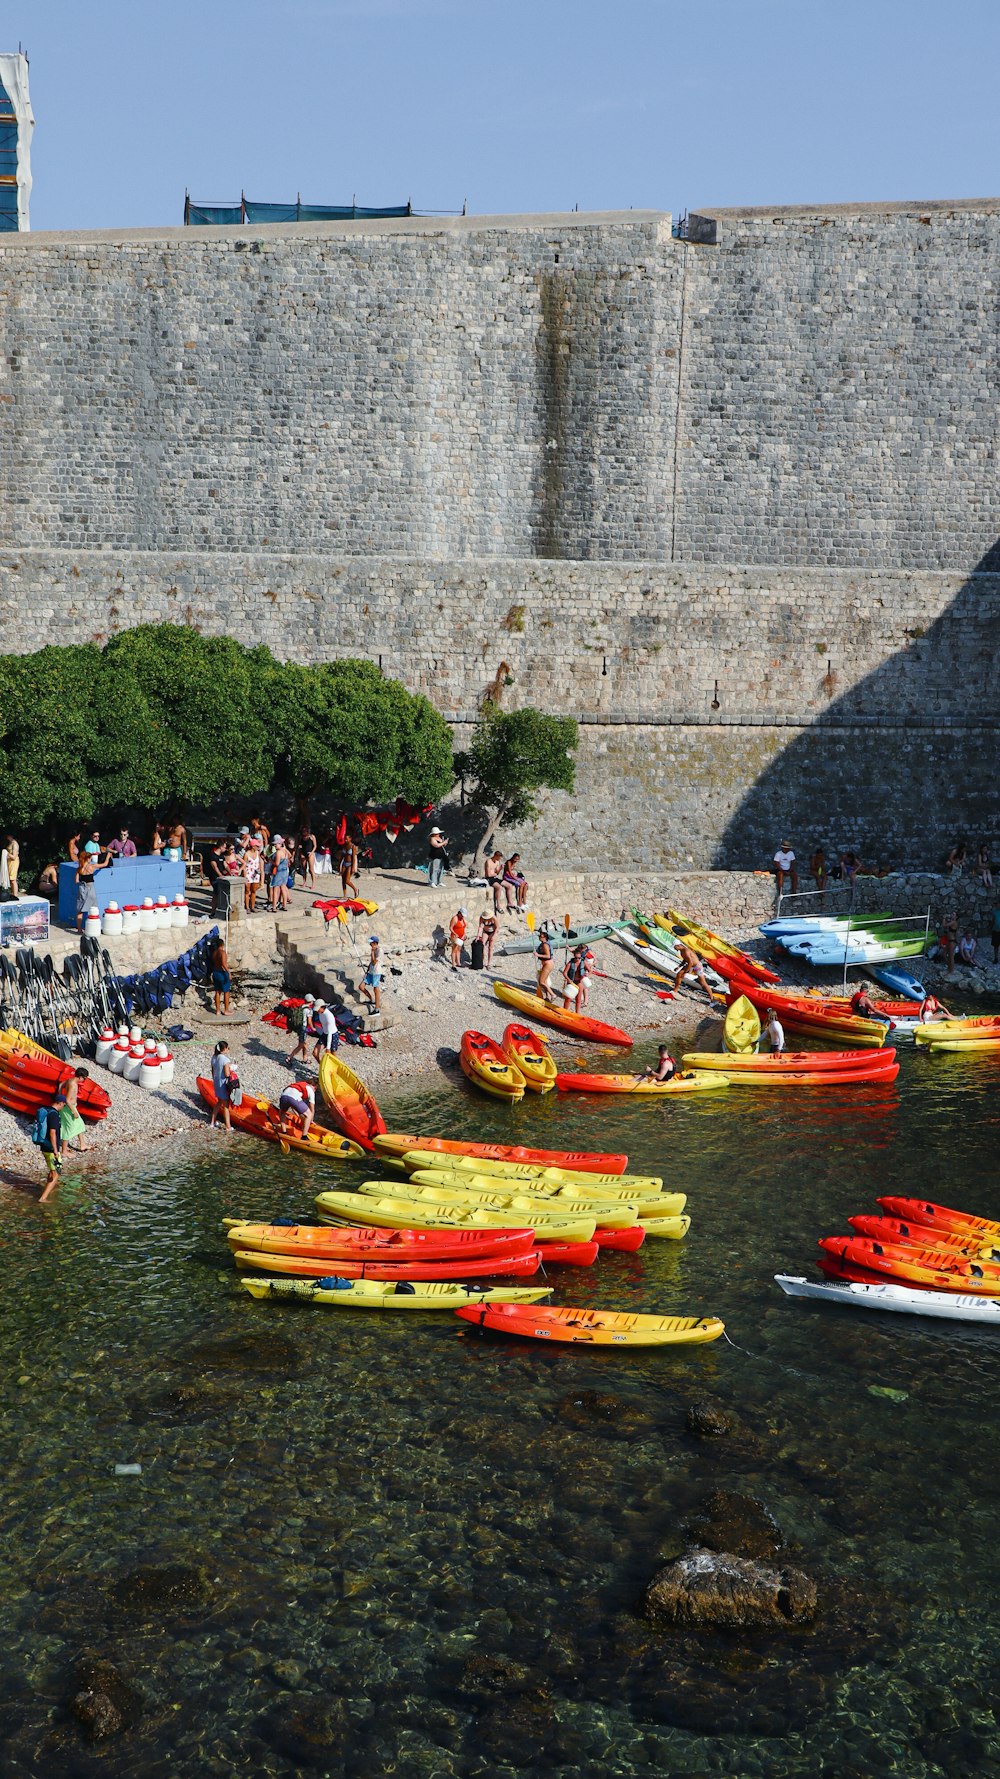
[(578, 1025), (258, 1118)]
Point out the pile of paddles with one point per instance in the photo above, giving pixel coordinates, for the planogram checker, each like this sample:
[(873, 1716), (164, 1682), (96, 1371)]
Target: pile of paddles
[(30, 1077), (77, 1002)]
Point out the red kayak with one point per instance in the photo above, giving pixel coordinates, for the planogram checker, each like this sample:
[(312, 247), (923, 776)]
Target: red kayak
[(578, 1161), (936, 1271), (625, 1240), (256, 1118), (575, 1253), (808, 1062), (325, 1241), (808, 1013), (28, 1081), (519, 1266), (916, 1235), (931, 1216)]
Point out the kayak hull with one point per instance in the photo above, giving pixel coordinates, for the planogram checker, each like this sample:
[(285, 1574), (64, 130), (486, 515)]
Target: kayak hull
[(390, 1247), (741, 1027), (352, 1107), (701, 1083), (259, 1119), (318, 1266), (593, 1327), (579, 1160), (526, 1051), (576, 1024), (903, 1300)]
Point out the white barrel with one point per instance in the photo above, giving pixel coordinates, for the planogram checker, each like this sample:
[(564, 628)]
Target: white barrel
[(123, 1030), (133, 1062), (178, 912), (147, 916), (92, 924), (117, 1059), (135, 1034), (166, 1065), (130, 918), (113, 921), (149, 1045), (105, 1045), (149, 1071), (162, 913)]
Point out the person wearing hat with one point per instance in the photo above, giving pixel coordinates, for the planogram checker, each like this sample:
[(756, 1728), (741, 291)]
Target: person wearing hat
[(299, 1099), (324, 1026), (371, 982), (437, 856), (784, 866), (299, 1021), (456, 933)]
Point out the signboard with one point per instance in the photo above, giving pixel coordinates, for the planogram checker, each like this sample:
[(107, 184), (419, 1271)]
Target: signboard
[(25, 922)]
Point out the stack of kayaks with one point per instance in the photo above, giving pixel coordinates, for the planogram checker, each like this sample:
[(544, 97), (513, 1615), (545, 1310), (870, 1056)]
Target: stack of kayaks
[(31, 1077), (974, 1035), (351, 1105), (829, 941), (576, 1024), (312, 1251), (657, 945), (525, 1050), (256, 1118), (626, 1208), (806, 1068), (803, 1012), (391, 1211), (918, 1257), (708, 944)]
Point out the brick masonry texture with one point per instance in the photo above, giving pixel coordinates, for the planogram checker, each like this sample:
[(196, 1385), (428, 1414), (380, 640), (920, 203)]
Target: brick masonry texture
[(731, 506)]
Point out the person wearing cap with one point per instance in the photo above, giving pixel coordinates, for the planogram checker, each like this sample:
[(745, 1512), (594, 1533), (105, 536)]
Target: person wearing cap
[(371, 982), (437, 857), (325, 1027), (784, 866), (299, 1021), (456, 933)]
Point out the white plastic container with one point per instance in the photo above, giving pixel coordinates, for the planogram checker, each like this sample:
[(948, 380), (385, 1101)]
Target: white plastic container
[(92, 925), (133, 1062), (135, 1034), (166, 1065), (105, 1045), (118, 1057), (149, 1046), (162, 913), (113, 921), (147, 916), (130, 918), (178, 912), (149, 1071), (122, 1030)]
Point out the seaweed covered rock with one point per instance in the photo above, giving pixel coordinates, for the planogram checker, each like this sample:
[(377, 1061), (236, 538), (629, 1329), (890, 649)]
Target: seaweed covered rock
[(736, 1523), (714, 1589), (102, 1702)]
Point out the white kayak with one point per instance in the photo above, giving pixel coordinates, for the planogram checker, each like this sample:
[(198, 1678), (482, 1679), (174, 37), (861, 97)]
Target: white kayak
[(950, 1306), (665, 962)]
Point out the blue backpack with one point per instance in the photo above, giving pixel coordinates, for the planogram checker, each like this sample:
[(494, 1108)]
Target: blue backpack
[(40, 1129)]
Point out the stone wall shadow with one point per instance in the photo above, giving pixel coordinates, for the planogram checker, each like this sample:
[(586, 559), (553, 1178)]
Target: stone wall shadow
[(900, 764)]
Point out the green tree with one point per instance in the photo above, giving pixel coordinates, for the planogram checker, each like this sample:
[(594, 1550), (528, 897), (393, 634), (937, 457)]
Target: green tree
[(47, 736), (514, 754), (344, 728)]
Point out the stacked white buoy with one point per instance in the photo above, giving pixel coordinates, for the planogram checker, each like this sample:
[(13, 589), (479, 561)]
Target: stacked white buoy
[(149, 1069), (117, 1059), (178, 912), (147, 916), (92, 924), (133, 1062), (162, 912), (166, 1065), (130, 918), (105, 1045), (112, 923)]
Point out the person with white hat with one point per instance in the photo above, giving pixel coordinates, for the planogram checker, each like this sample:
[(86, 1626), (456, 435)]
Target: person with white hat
[(437, 854), (456, 933), (279, 871), (371, 982)]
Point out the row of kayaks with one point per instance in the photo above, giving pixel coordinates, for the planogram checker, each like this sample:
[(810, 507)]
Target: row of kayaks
[(975, 1034), (31, 1077), (915, 1256), (830, 941)]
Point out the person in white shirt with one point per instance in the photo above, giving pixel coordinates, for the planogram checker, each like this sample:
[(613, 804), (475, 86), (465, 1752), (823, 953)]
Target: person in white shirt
[(774, 1032), (324, 1026), (300, 1098), (784, 866)]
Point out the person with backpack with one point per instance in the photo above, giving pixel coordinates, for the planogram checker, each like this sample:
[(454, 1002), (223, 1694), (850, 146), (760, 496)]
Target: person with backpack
[(47, 1135), (298, 1020)]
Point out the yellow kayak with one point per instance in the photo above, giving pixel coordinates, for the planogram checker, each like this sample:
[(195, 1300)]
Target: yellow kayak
[(982, 1044), (402, 1213), (575, 1198), (526, 1051), (741, 1028), (353, 1106), (671, 1229), (526, 1170), (372, 1294), (529, 1207)]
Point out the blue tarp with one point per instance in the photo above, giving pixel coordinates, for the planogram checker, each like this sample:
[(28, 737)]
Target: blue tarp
[(248, 210)]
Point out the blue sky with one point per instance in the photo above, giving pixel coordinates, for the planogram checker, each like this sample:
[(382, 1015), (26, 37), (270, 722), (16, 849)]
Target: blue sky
[(508, 104)]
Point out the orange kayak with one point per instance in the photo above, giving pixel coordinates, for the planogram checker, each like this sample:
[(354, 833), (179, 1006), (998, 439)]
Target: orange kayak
[(577, 1025), (391, 1246), (528, 1052), (938, 1272), (256, 1118), (913, 1235), (580, 1161)]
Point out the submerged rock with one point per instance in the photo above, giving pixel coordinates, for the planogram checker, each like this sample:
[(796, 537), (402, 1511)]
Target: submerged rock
[(255, 1352), (711, 1420), (307, 1728), (736, 1523), (715, 1589), (165, 1589), (100, 1699), (590, 1409)]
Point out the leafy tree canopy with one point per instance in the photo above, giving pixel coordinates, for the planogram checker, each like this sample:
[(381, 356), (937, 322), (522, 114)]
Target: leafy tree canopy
[(514, 754), (345, 727)]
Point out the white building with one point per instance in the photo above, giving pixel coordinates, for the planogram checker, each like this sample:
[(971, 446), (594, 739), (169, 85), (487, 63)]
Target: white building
[(16, 126)]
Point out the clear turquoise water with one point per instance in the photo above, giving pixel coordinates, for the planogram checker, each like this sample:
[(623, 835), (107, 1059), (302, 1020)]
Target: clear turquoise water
[(372, 1545)]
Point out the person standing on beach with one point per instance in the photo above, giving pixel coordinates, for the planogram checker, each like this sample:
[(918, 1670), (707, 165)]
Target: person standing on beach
[(487, 935), (437, 857), (222, 981), (543, 959), (306, 862), (12, 859), (456, 934), (371, 982), (71, 1125), (281, 863), (299, 1098), (253, 871), (324, 1025), (298, 1020), (226, 1082), (774, 1032), (89, 863)]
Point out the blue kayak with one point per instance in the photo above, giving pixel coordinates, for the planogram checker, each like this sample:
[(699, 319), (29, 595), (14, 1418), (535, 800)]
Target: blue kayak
[(898, 981)]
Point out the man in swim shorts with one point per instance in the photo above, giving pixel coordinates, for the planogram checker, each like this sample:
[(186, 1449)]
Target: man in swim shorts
[(300, 1098)]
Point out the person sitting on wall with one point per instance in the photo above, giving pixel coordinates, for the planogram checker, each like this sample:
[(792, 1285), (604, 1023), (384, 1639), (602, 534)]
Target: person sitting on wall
[(850, 865), (514, 881), (784, 866), (818, 872), (956, 858), (983, 864)]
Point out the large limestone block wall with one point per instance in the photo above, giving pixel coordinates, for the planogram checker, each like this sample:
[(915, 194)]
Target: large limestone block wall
[(453, 388), (839, 388), (853, 709)]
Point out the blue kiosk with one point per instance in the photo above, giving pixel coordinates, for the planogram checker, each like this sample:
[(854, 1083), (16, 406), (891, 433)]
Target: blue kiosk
[(126, 881)]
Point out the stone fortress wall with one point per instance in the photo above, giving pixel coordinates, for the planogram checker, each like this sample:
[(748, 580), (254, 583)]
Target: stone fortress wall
[(732, 505)]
